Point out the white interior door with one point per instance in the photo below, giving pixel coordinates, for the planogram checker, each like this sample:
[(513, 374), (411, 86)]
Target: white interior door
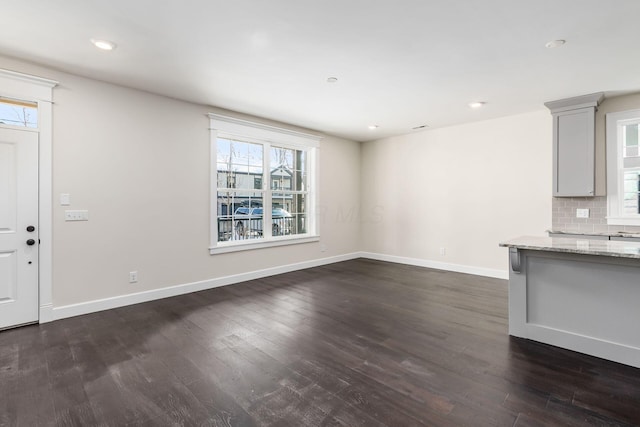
[(18, 227)]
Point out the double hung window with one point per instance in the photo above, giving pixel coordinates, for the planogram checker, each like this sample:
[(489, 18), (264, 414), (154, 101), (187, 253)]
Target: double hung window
[(623, 168), (263, 185)]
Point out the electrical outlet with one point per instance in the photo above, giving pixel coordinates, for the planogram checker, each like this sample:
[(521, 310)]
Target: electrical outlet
[(323, 248), (443, 251), (133, 277), (582, 213)]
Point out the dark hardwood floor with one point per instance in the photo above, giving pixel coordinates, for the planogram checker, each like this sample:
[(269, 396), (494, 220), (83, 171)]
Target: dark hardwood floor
[(359, 343)]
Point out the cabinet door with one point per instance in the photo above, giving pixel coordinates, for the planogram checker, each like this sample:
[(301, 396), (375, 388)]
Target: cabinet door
[(574, 152)]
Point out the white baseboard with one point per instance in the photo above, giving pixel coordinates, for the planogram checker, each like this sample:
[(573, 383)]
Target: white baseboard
[(469, 269), (154, 294), (46, 313), (49, 313)]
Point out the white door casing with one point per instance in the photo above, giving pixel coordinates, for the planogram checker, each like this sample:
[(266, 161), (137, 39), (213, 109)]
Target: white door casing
[(18, 211), (20, 86)]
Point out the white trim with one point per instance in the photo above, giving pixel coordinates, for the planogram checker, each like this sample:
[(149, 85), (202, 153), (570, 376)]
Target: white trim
[(71, 310), (171, 291), (458, 268), (614, 146), (45, 123), (267, 136), (267, 195), (313, 213), (213, 187), (38, 89), (618, 220), (46, 313), (246, 128), (260, 243), (26, 87), (28, 78)]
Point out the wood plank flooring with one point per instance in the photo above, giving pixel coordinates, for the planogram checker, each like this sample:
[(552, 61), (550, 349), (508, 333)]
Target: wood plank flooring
[(358, 343)]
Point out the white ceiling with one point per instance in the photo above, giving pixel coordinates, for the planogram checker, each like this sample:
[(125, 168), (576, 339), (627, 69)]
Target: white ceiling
[(400, 64)]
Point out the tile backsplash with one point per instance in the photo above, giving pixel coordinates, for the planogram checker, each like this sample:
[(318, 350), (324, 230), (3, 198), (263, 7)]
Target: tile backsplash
[(564, 216)]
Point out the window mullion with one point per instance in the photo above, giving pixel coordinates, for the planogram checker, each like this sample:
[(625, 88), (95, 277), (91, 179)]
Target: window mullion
[(620, 171), (311, 197), (620, 194), (267, 199)]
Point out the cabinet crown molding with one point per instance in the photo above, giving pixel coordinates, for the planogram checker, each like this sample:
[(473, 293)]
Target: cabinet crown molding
[(584, 101)]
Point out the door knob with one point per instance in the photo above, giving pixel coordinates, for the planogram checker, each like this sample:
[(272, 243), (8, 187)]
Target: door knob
[(31, 242), (31, 229)]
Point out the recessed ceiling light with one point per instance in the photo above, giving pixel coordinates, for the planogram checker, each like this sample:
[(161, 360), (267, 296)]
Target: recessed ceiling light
[(554, 43), (103, 44), (477, 104), (372, 127), (332, 79)]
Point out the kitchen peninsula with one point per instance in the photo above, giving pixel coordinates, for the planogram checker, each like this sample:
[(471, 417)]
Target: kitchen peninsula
[(579, 294)]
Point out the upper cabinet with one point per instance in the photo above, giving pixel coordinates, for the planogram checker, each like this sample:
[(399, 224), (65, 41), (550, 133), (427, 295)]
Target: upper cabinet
[(574, 145)]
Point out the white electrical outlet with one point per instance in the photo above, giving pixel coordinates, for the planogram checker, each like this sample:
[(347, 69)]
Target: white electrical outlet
[(582, 213), (133, 276), (443, 251)]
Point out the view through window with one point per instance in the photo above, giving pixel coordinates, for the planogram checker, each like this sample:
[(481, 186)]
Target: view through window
[(263, 189), (631, 173), (241, 196), (623, 167), (18, 113)]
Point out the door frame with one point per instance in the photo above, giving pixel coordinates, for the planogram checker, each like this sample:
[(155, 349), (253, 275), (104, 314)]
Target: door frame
[(40, 90)]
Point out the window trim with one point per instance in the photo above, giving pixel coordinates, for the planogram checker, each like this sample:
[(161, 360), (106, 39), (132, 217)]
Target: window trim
[(615, 169), (267, 135)]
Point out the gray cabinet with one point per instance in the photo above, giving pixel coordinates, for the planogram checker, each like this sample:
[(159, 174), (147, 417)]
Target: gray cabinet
[(574, 145)]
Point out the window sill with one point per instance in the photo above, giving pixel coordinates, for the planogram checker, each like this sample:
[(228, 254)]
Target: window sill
[(237, 247), (623, 221)]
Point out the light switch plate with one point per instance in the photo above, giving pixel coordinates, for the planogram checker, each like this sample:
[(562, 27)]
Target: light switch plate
[(65, 199), (76, 215), (582, 213)]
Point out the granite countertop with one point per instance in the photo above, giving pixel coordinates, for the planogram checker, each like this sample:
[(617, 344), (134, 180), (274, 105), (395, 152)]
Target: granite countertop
[(576, 246), (598, 233)]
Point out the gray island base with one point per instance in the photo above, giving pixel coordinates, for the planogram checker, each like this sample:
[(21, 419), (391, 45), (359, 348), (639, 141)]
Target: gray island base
[(578, 294)]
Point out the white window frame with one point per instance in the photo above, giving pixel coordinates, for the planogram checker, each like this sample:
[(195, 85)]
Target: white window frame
[(245, 130), (615, 167)]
